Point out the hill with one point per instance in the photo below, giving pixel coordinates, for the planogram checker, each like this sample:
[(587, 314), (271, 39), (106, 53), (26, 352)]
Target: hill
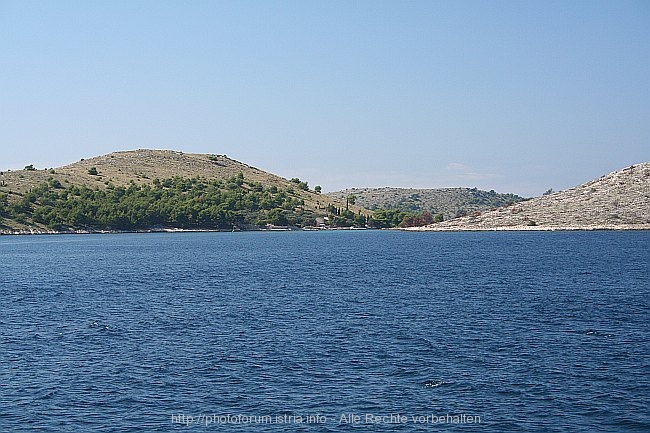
[(139, 166), (119, 183), (619, 200), (451, 202)]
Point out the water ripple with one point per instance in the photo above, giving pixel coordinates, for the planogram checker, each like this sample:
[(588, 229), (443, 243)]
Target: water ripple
[(529, 331)]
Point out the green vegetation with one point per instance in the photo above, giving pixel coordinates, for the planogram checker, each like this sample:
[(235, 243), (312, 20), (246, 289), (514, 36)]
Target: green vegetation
[(301, 185), (93, 171), (3, 206), (29, 167), (346, 218), (177, 202), (350, 200), (387, 218)]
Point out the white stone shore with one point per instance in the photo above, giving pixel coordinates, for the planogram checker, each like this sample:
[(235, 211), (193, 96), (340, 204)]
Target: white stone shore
[(459, 228)]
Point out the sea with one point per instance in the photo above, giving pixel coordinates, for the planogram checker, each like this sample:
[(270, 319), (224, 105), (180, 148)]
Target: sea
[(326, 331)]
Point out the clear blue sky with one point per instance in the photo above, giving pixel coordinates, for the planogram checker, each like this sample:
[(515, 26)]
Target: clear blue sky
[(515, 96)]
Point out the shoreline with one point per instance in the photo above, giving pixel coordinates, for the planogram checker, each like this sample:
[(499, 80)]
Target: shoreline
[(518, 228), (525, 228), (28, 232)]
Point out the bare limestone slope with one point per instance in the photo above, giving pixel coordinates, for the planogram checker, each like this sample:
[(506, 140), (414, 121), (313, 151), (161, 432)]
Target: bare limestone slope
[(619, 200)]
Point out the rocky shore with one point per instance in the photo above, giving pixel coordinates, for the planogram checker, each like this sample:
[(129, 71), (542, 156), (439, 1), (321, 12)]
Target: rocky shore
[(441, 228)]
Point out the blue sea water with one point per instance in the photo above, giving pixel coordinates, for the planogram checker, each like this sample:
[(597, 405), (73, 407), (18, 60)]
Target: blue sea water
[(326, 331)]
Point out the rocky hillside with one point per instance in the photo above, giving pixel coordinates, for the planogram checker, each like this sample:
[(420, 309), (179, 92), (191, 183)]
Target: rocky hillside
[(451, 202), (619, 200)]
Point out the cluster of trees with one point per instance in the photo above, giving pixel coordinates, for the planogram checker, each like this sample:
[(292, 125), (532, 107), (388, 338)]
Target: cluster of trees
[(175, 202), (346, 218), (421, 219), (305, 186), (385, 218), (302, 185), (492, 198)]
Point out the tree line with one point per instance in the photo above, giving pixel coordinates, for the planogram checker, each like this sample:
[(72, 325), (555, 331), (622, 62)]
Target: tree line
[(175, 202), (188, 203)]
